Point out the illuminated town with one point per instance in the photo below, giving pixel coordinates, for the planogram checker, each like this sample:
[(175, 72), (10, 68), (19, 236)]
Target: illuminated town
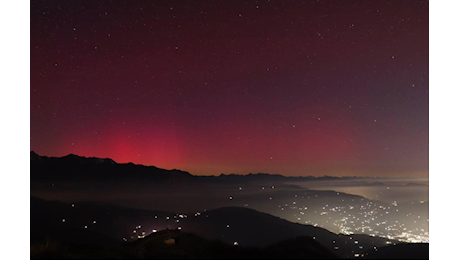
[(342, 214)]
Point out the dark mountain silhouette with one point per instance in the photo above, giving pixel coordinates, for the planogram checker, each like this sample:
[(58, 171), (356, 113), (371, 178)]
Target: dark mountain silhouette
[(82, 169), (266, 177), (298, 248), (174, 244), (400, 251), (251, 177), (188, 245), (76, 168)]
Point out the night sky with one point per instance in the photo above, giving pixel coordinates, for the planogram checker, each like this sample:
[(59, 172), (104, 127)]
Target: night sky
[(210, 87)]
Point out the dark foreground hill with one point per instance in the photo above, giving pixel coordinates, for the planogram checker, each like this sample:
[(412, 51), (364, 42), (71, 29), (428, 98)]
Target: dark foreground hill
[(401, 251), (174, 244)]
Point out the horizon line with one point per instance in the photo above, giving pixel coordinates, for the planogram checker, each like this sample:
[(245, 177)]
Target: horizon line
[(229, 174)]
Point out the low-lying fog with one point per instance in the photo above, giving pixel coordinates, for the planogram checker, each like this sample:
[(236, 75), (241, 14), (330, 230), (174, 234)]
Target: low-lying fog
[(387, 190)]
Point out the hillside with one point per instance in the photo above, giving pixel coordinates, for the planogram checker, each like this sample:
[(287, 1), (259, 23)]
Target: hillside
[(101, 224), (174, 244), (400, 251)]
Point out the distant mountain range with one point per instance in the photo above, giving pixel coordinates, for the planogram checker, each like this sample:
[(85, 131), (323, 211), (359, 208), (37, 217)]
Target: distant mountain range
[(80, 169)]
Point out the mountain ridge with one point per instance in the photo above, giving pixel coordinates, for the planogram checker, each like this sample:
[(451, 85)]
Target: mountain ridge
[(51, 164), (43, 168)]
